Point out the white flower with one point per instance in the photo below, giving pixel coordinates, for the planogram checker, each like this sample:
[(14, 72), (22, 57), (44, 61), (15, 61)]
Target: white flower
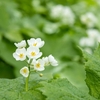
[(24, 71), (93, 33), (85, 41), (39, 65), (68, 17), (56, 12), (35, 42), (89, 19), (33, 53), (21, 44), (20, 54), (52, 60), (63, 13), (46, 61)]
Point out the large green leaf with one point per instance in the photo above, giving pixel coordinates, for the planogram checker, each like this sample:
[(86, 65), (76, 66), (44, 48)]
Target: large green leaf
[(14, 90), (62, 89), (92, 67), (40, 89)]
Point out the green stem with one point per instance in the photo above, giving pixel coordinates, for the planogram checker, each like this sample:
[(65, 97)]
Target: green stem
[(27, 78), (26, 83)]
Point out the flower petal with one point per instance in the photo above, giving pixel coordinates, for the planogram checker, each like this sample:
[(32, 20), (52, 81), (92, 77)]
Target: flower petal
[(24, 71)]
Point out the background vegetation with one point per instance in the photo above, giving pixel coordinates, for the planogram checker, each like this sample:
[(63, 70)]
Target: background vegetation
[(24, 19)]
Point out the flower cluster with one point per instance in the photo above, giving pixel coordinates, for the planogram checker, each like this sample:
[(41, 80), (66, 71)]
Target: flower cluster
[(32, 55), (62, 13), (89, 19), (92, 39)]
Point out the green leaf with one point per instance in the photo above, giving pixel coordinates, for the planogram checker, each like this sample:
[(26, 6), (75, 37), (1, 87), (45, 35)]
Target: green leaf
[(14, 90), (75, 73), (40, 89), (62, 89), (92, 67)]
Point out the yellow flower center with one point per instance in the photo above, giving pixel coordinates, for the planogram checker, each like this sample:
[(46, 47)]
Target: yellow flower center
[(38, 65), (33, 53), (24, 70), (34, 44), (21, 55)]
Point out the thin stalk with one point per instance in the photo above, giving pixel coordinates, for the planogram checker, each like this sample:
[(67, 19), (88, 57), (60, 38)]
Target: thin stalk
[(26, 83), (27, 78)]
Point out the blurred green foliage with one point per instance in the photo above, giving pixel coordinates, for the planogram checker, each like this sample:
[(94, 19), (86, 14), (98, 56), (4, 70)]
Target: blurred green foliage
[(23, 19)]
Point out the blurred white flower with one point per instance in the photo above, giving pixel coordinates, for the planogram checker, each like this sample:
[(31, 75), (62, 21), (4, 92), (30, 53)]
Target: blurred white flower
[(38, 65), (24, 71), (21, 44), (52, 60), (56, 12), (50, 28), (93, 33), (35, 42), (89, 19), (85, 41), (90, 41), (20, 54), (68, 17), (62, 13), (33, 52)]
